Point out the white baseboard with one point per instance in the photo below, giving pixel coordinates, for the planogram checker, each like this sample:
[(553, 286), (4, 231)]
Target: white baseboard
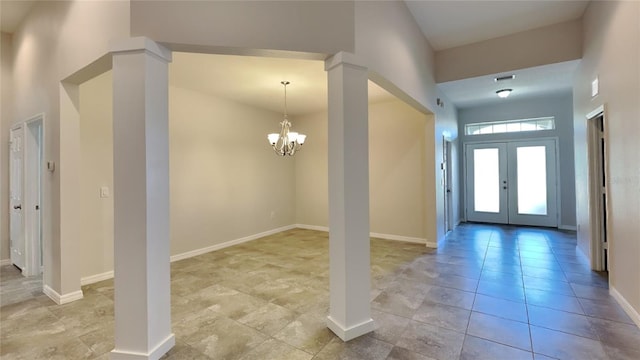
[(109, 274), (226, 244), (375, 235), (4, 262), (96, 278), (62, 299), (352, 332), (633, 314), (189, 254), (313, 227), (399, 238), (155, 353), (568, 227)]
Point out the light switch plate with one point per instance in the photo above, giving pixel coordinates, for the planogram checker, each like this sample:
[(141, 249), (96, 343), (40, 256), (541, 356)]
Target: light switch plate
[(595, 87), (104, 192)]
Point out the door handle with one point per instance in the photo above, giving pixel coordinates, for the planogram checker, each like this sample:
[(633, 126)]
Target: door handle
[(17, 207)]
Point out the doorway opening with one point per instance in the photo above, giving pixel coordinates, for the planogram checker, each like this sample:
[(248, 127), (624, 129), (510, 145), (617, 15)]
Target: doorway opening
[(25, 187), (512, 182), (25, 206), (447, 178), (597, 148)]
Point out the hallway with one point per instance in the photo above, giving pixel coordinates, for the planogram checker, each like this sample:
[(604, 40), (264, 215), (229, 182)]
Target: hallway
[(489, 292)]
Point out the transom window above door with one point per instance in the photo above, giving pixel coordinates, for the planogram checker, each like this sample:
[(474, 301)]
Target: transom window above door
[(510, 126)]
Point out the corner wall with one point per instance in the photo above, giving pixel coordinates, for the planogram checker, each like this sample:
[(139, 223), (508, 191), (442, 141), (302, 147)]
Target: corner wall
[(611, 51), (56, 39), (6, 119), (398, 181), (226, 181), (223, 186)]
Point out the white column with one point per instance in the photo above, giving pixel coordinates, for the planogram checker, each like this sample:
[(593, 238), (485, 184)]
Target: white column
[(141, 200), (349, 273)]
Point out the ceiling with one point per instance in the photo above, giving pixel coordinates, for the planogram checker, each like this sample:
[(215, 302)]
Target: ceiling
[(531, 82), (255, 81)]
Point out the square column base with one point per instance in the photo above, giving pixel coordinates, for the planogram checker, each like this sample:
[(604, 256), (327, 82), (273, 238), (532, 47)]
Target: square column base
[(353, 332), (154, 354)]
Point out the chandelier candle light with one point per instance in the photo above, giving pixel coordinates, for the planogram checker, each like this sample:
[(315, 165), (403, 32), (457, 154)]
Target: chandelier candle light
[(287, 142)]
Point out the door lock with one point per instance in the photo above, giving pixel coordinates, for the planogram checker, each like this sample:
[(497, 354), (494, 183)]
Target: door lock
[(17, 207)]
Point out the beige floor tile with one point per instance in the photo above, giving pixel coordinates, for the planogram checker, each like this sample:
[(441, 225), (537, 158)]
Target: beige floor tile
[(398, 353), (431, 341), (444, 316), (269, 298), (273, 349), (308, 332), (364, 347)]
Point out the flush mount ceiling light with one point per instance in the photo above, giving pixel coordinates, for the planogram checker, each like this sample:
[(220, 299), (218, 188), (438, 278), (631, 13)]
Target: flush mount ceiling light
[(504, 92), (286, 142)]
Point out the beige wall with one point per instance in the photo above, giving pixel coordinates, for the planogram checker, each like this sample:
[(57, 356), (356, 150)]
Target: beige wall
[(96, 142), (226, 182), (322, 27), (401, 60), (391, 44), (612, 52), (445, 124), (6, 118), (398, 183), (54, 40), (546, 45)]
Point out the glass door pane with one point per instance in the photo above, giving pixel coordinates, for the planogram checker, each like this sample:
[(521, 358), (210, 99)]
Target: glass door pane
[(486, 180), (532, 180)]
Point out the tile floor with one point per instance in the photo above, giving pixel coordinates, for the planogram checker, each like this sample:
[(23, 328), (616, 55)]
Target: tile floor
[(16, 288), (490, 292)]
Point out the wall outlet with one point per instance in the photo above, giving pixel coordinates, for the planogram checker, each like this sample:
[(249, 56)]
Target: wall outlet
[(104, 192)]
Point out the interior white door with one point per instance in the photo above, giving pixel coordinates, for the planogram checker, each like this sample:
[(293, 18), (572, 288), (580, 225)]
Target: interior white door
[(532, 183), (16, 220), (32, 197), (486, 169), (512, 183)]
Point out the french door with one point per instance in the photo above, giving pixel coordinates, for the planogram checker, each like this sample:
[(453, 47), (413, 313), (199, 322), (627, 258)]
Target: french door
[(512, 182)]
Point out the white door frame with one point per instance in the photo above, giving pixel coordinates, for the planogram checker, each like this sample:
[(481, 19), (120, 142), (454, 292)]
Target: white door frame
[(31, 197), (34, 171), (597, 233), (465, 175), (447, 177)]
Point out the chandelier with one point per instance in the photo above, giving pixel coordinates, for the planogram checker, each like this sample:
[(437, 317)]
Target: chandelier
[(286, 142)]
